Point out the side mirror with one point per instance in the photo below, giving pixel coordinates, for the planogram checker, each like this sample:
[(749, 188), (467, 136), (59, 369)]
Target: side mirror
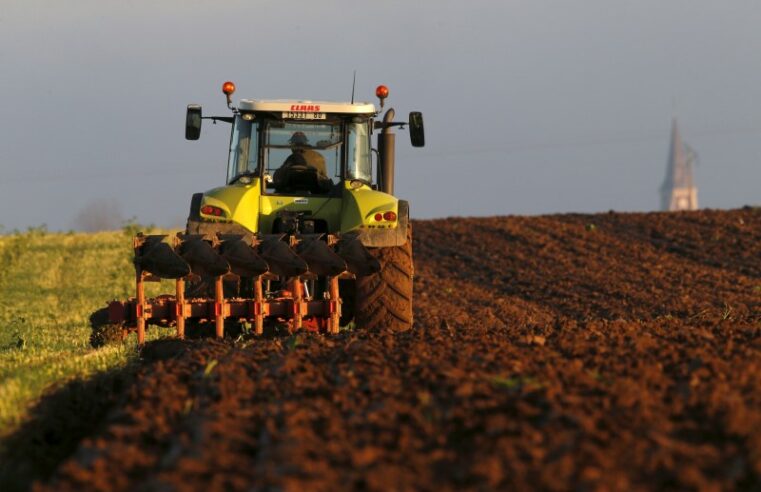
[(193, 122), (417, 133)]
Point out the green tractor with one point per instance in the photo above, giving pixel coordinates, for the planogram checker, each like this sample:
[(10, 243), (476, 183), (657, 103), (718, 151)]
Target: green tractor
[(302, 235)]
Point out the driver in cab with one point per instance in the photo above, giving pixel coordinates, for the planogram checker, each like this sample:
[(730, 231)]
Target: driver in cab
[(303, 170)]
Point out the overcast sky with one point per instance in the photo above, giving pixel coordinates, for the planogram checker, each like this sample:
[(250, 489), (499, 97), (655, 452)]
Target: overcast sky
[(530, 106)]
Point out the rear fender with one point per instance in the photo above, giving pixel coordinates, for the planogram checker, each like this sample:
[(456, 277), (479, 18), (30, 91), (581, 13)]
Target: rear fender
[(239, 203), (385, 238)]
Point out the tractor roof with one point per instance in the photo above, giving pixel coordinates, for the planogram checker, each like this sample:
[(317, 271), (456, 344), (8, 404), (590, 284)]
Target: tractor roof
[(308, 106)]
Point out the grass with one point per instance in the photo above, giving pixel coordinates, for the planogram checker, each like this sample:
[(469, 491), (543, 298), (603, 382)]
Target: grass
[(49, 285)]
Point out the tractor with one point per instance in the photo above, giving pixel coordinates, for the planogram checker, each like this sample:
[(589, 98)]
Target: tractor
[(302, 234)]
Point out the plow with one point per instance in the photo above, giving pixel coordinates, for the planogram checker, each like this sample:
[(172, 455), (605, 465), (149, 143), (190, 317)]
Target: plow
[(249, 267), (301, 235)]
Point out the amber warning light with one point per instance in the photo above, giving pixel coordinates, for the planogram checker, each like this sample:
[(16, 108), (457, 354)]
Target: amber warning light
[(228, 88), (382, 92)]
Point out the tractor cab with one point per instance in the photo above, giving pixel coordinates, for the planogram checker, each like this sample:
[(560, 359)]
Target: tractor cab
[(297, 148), (305, 167)]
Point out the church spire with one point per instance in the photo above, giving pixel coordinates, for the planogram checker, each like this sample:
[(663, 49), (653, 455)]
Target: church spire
[(678, 191)]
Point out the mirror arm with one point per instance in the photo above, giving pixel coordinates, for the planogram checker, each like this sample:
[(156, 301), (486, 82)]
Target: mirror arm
[(226, 119), (381, 125)]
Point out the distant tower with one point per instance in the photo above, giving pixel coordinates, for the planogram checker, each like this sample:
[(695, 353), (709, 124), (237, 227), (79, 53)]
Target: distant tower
[(678, 191)]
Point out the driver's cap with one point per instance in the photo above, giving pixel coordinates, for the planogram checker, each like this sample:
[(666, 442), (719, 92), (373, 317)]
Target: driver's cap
[(298, 138)]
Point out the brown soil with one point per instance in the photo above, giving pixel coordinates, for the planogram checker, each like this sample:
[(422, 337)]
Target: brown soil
[(585, 352)]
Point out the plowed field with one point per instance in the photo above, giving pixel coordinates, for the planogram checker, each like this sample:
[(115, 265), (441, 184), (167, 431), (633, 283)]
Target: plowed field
[(584, 352)]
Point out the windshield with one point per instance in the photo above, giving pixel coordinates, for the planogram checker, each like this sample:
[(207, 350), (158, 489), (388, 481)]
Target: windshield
[(301, 157), (243, 149), (359, 165)]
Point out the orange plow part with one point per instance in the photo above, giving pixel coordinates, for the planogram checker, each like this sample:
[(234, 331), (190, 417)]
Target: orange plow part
[(291, 262)]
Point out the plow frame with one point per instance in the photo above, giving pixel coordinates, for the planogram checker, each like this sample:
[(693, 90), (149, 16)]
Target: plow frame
[(167, 310)]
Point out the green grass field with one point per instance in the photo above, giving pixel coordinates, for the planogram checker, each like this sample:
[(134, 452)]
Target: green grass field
[(49, 285)]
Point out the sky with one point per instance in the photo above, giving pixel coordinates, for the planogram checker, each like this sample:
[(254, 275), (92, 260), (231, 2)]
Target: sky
[(530, 106)]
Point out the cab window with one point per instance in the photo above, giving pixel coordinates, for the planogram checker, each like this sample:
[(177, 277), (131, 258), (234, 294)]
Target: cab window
[(302, 157), (359, 164), (243, 149)]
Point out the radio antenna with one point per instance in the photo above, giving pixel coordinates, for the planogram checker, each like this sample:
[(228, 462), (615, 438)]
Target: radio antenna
[(353, 84)]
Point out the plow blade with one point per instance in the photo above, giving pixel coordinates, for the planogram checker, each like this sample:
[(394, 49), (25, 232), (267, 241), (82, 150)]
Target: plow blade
[(242, 256), (160, 259), (203, 259), (282, 260), (320, 259), (358, 259)]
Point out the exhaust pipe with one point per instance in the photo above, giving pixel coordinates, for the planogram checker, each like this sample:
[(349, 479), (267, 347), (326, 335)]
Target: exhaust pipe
[(386, 149)]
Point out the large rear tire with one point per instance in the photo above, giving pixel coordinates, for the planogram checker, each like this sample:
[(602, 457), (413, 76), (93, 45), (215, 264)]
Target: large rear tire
[(384, 300)]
